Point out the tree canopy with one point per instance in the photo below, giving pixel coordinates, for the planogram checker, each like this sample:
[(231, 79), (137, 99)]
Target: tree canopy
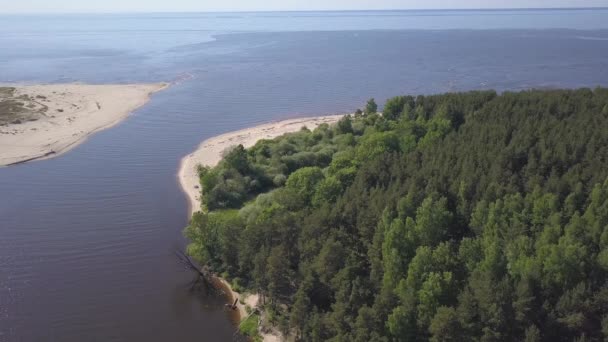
[(462, 216)]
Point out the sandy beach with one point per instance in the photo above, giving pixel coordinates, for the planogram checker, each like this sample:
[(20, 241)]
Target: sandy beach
[(60, 116), (209, 153)]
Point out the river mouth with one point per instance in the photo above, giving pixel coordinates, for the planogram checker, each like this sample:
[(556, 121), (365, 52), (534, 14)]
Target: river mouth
[(87, 239)]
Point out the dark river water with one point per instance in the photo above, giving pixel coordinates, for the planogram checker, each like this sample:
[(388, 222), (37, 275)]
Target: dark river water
[(87, 238)]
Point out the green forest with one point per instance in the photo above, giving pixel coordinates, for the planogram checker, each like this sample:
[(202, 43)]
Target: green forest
[(475, 216)]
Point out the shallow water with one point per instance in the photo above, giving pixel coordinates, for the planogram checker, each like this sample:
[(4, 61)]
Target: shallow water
[(87, 238)]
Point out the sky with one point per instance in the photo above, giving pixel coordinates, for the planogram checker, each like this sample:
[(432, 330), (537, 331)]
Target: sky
[(88, 6)]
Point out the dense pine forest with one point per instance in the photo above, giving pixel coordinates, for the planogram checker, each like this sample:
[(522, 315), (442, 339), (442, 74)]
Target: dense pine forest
[(456, 217)]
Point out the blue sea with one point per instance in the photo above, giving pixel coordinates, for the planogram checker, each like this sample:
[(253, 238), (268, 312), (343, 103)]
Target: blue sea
[(87, 238)]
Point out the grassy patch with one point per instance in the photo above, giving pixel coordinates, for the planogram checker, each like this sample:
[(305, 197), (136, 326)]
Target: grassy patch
[(236, 285), (225, 213), (249, 327)]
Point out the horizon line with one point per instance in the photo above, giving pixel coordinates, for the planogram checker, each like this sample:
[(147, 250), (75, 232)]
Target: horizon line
[(314, 10)]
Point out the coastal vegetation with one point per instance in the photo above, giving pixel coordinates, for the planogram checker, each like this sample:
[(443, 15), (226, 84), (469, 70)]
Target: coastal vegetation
[(249, 327), (462, 216), (15, 109)]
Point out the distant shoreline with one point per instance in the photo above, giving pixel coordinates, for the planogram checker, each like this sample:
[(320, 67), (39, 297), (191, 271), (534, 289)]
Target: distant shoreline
[(65, 115)]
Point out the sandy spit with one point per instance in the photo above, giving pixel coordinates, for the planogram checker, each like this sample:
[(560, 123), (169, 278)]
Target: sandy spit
[(75, 111), (209, 153)]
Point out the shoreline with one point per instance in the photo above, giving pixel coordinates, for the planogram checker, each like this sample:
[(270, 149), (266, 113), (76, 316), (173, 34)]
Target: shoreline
[(72, 113), (209, 153)]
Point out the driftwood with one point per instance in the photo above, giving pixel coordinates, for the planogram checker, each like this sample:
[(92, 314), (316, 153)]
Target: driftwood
[(233, 306), (203, 275)]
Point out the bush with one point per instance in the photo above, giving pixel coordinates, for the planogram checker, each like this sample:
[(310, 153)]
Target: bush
[(279, 180), (249, 327), (327, 191), (304, 181)]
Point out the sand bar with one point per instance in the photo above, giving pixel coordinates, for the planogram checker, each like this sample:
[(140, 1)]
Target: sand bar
[(57, 117)]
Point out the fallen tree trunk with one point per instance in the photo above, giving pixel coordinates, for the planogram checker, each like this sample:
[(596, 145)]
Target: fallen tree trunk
[(202, 273)]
